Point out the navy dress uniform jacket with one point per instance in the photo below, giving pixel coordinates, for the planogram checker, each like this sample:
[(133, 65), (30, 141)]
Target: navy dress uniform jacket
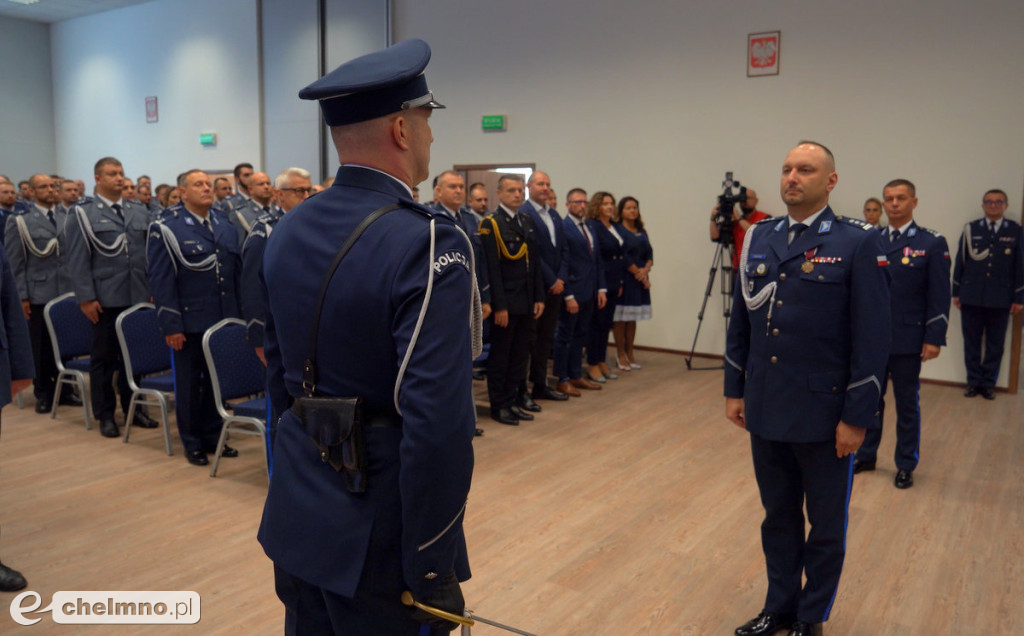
[(253, 311), (919, 270), (40, 279), (820, 358), (516, 283), (15, 346), (584, 267), (103, 265), (467, 221), (410, 517), (190, 301), (996, 277), (552, 257)]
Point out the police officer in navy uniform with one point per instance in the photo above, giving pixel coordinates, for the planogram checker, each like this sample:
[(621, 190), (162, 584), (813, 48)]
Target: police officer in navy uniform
[(510, 243), (194, 270), (243, 173), (988, 286), (394, 332), (806, 350), (260, 204), (16, 372), (919, 268), (107, 261), (37, 247)]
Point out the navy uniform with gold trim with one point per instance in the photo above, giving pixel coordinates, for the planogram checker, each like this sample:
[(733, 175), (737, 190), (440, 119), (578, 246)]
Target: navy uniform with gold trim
[(510, 249), (395, 332), (194, 270), (988, 277), (807, 346), (919, 269)]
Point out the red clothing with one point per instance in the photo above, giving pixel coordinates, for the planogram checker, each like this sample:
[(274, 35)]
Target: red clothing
[(738, 233)]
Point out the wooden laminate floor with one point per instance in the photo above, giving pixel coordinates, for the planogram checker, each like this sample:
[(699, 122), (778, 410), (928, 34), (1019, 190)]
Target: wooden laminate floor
[(632, 510)]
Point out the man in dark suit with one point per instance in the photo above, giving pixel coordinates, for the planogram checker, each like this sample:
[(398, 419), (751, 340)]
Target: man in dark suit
[(194, 270), (585, 291), (36, 244), (16, 371), (394, 332), (551, 252), (919, 268), (510, 243), (107, 262), (806, 350), (7, 200), (988, 286)]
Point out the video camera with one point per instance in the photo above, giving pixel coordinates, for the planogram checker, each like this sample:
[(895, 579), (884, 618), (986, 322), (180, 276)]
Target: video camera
[(726, 203)]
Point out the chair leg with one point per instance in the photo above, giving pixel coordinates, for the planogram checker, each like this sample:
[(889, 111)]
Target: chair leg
[(56, 399), (167, 427), (130, 417), (220, 449)]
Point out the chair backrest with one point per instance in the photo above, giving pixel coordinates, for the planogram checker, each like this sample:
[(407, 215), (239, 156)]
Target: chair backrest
[(235, 370), (70, 331), (144, 348)]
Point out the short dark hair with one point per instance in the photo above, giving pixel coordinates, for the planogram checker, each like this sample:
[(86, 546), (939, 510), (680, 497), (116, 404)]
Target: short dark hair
[(574, 191), (238, 169), (995, 191), (874, 200), (828, 152), (218, 180), (105, 161), (509, 177), (895, 183)]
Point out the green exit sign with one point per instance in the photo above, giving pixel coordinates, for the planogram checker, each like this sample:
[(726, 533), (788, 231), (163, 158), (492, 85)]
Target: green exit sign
[(208, 139), (493, 122)]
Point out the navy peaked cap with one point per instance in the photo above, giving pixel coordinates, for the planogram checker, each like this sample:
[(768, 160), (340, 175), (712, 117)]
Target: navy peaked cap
[(374, 85)]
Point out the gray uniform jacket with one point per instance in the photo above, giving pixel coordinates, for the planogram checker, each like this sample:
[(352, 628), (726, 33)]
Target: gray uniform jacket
[(107, 254), (37, 252)]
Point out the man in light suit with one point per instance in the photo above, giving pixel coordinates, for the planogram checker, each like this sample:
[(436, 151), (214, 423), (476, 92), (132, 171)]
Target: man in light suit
[(107, 261), (36, 246), (551, 245), (585, 291), (16, 371)]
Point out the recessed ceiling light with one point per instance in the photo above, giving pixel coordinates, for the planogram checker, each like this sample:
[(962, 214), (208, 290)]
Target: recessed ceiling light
[(23, 1)]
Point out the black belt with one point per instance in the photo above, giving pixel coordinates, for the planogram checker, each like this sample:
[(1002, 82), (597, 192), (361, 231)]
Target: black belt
[(371, 418)]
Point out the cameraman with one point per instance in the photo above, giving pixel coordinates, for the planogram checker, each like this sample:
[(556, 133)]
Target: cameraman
[(744, 215)]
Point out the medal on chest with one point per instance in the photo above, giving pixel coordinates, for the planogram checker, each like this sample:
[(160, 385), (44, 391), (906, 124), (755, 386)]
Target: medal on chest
[(808, 265)]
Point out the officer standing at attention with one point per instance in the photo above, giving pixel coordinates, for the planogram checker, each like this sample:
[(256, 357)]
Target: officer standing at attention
[(194, 269), (16, 371), (107, 262), (988, 286), (292, 187), (260, 204), (36, 246), (919, 268), (510, 242), (393, 336), (806, 350)]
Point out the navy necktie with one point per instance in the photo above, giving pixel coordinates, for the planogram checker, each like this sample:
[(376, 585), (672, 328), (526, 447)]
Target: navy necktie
[(117, 208), (895, 234), (797, 229)]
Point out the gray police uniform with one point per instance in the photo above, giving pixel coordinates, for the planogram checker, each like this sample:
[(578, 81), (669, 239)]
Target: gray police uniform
[(807, 346), (36, 246), (107, 263)]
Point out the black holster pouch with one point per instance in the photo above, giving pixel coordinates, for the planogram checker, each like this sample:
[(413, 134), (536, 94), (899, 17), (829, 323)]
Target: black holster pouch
[(336, 427)]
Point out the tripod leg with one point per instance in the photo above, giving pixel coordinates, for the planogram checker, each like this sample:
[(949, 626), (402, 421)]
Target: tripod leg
[(715, 264)]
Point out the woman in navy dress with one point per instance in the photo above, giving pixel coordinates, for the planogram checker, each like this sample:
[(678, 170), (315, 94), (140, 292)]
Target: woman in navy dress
[(635, 303), (600, 211)]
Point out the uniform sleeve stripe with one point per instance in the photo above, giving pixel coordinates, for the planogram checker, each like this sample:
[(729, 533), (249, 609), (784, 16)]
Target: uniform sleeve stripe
[(941, 317), (733, 364), (868, 380)]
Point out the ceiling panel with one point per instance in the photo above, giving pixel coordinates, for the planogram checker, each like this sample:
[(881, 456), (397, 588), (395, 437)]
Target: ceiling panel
[(57, 10)]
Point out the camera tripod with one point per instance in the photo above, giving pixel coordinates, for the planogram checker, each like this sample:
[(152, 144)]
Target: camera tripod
[(721, 261)]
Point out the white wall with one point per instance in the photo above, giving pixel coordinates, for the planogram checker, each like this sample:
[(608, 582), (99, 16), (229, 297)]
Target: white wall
[(26, 100), (652, 99), (198, 57)]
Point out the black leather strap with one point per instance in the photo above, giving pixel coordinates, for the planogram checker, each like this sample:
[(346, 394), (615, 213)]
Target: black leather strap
[(309, 368)]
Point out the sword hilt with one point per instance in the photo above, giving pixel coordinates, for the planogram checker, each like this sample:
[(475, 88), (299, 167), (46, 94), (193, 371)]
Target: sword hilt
[(407, 599)]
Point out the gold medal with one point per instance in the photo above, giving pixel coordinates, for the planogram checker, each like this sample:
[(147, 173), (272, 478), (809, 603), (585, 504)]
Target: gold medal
[(905, 260), (761, 269), (807, 267)]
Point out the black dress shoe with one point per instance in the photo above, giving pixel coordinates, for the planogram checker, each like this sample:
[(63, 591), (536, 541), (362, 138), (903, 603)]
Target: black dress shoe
[(526, 403), (521, 414), (11, 580), (197, 458), (987, 392), (70, 399), (43, 405), (227, 452), (971, 391), (108, 428), (801, 628), (505, 416), (144, 421), (904, 479), (861, 466), (478, 375), (479, 433), (765, 623), (544, 392)]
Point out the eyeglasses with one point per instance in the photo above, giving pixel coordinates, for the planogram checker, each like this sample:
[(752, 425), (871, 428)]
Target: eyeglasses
[(995, 203), (305, 191)]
